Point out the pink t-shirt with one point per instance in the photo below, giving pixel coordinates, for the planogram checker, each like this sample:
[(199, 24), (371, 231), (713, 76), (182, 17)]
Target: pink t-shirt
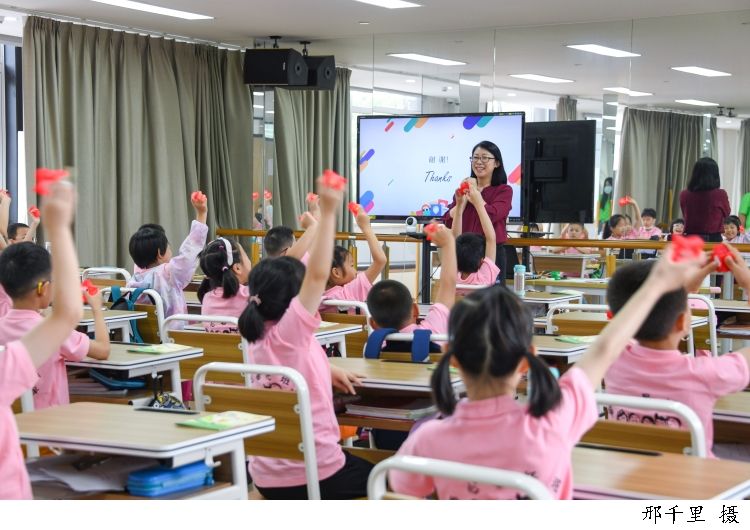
[(632, 234), (499, 432), (486, 275), (668, 374), (436, 321), (214, 305), (354, 291), (648, 233), (17, 375), (291, 342), (6, 303), (52, 387)]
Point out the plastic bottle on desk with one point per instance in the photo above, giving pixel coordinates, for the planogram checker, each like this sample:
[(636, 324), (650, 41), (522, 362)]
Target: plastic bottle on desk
[(519, 279)]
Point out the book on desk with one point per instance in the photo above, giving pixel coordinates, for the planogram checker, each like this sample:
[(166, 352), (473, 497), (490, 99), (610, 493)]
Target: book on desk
[(393, 407)]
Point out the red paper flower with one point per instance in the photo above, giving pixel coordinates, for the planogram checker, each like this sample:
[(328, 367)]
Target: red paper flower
[(689, 247), (198, 196), (256, 195), (88, 287), (267, 195), (463, 189), (353, 207), (34, 211), (624, 201), (311, 197), (720, 254), (610, 316), (333, 180), (430, 229), (45, 177)]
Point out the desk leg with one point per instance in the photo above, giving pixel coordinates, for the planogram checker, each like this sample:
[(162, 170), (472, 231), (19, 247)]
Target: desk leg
[(239, 474), (727, 286), (342, 346), (27, 405), (174, 372), (126, 332)]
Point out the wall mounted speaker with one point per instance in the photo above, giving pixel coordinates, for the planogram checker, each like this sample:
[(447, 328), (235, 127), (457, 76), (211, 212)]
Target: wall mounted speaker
[(275, 66)]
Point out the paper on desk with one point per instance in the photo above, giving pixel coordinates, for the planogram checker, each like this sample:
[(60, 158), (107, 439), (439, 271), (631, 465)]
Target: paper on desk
[(111, 475)]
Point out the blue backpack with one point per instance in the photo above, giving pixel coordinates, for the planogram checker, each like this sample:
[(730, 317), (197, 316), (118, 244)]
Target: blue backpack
[(126, 302)]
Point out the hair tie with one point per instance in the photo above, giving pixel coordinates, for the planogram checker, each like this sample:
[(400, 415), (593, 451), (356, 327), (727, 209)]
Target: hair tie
[(224, 268), (228, 248), (254, 298)]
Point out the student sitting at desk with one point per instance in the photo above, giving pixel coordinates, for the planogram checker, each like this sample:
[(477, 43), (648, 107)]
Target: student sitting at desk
[(475, 253), (344, 283), (391, 305), (25, 274), (280, 323), (655, 367), (732, 232), (20, 360), (574, 231), (159, 270), (280, 240), (223, 291), (491, 346)]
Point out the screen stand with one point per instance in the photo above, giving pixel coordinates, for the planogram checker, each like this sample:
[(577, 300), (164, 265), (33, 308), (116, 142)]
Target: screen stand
[(426, 263)]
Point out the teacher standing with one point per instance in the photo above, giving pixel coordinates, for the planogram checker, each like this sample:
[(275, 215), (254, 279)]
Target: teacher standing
[(489, 175), (704, 204)]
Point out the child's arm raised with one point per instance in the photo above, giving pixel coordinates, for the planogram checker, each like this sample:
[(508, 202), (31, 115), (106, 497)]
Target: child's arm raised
[(666, 276), (309, 223), (378, 256), (443, 239), (458, 214), (4, 216), (99, 348), (33, 225), (319, 265), (184, 263), (638, 220), (45, 339), (476, 199)]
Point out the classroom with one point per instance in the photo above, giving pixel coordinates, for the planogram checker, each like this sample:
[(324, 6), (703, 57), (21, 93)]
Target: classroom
[(374, 250)]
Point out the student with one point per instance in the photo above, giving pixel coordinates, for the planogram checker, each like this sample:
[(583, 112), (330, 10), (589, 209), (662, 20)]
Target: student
[(391, 305), (620, 226), (20, 360), (279, 322), (677, 226), (491, 346), (732, 233), (649, 229), (25, 274), (344, 283), (280, 241), (18, 232), (475, 253), (574, 231), (655, 367), (223, 291), (159, 270)]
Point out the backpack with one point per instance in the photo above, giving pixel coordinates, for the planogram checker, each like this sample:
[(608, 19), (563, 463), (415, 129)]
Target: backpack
[(126, 302), (421, 347)]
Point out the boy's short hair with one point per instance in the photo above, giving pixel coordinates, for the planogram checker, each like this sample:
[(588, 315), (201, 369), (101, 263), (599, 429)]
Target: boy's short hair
[(649, 212), (390, 304), (13, 229), (663, 316), (470, 251), (276, 240), (22, 266), (146, 244)]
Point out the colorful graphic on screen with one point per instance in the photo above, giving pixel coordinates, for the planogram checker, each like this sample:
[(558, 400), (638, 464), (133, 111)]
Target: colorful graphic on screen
[(413, 165)]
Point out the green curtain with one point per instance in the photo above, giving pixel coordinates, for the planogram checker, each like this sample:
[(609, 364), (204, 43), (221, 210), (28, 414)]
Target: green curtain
[(658, 150), (312, 132), (143, 122), (567, 109), (743, 154)]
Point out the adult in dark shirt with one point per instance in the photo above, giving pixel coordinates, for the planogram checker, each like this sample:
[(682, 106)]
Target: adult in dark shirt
[(704, 204), (492, 181)]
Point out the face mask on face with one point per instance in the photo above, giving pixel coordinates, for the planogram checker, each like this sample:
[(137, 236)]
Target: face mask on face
[(607, 189)]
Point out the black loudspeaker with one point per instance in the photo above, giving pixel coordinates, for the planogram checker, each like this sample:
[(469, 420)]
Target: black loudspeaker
[(321, 72), (274, 66)]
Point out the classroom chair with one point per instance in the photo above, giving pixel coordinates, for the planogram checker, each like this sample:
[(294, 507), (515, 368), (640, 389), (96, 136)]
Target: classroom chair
[(573, 265), (612, 432), (217, 347), (355, 342), (105, 271), (408, 356), (293, 436), (150, 328), (700, 338), (528, 485), (560, 308)]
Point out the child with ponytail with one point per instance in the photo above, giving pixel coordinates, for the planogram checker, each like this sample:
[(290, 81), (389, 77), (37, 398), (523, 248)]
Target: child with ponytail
[(490, 344), (224, 289), (279, 322)]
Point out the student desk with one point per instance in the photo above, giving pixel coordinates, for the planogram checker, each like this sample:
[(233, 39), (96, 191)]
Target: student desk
[(549, 299), (389, 378), (122, 430), (591, 323), (114, 320), (551, 346), (588, 286), (335, 333), (136, 364), (616, 474), (193, 304)]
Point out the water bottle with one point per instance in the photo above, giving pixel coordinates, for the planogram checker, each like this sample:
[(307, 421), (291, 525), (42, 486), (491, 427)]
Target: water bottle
[(519, 279)]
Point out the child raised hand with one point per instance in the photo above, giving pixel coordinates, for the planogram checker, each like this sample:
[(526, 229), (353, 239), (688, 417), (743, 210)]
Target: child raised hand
[(376, 251), (99, 348), (444, 240), (200, 205)]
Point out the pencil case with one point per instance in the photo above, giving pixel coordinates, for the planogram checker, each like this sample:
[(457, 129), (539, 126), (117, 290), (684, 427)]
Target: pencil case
[(159, 481)]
